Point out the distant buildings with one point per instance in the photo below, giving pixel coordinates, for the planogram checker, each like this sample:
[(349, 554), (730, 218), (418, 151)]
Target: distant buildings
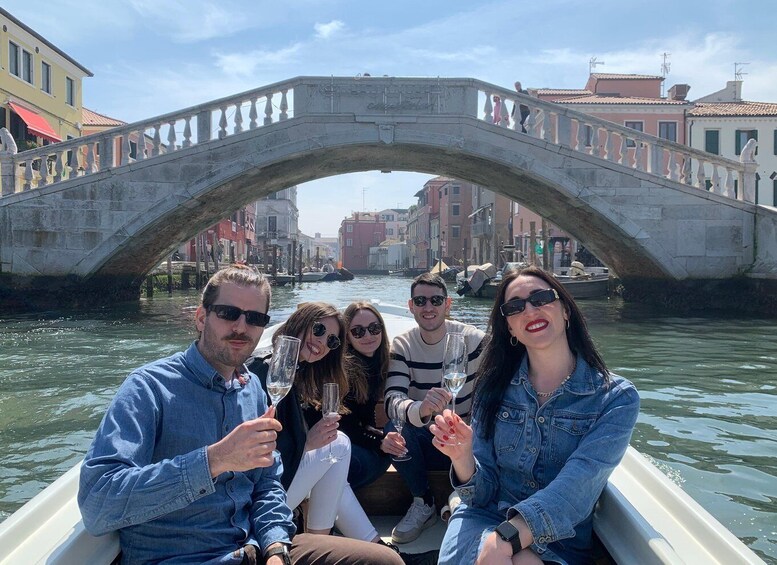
[(356, 236)]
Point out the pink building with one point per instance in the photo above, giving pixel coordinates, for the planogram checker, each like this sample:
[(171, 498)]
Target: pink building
[(356, 235)]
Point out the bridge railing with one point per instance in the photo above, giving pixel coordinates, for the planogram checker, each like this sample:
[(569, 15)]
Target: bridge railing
[(618, 144), (253, 109), (164, 134)]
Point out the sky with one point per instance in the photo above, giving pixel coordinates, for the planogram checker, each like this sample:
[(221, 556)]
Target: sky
[(150, 57)]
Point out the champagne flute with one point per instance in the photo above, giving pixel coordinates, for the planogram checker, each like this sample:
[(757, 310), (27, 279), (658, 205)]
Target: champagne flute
[(330, 406), (397, 415), (454, 365), (283, 367)]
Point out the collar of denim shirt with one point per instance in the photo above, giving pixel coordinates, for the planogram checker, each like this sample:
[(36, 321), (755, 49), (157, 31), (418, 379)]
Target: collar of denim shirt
[(204, 373), (584, 380)]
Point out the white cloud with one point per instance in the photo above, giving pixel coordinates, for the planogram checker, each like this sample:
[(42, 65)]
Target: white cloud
[(326, 31)]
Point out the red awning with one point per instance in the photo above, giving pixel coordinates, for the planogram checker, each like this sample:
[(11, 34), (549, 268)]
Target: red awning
[(36, 123)]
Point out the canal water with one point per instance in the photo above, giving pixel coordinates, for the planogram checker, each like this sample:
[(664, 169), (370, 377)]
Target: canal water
[(708, 387)]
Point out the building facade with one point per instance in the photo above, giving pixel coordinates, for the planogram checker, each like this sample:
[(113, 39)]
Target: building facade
[(277, 227), (490, 222), (356, 236), (396, 222), (40, 87)]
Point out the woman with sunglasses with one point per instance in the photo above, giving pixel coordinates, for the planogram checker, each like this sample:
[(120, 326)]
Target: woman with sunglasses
[(368, 348), (549, 425), (303, 442)]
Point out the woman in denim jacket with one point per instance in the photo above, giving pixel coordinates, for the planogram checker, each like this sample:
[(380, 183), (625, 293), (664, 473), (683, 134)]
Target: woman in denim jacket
[(549, 425)]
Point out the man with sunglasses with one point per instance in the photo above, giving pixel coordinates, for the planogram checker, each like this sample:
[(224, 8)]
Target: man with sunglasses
[(183, 464), (414, 386)]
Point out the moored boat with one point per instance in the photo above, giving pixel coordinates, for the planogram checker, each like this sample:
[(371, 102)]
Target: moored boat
[(641, 518)]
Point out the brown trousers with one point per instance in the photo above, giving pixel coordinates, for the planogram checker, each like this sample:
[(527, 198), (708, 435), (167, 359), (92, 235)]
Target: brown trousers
[(314, 549)]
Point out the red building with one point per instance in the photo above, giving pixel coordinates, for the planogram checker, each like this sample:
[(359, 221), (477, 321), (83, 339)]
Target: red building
[(356, 235)]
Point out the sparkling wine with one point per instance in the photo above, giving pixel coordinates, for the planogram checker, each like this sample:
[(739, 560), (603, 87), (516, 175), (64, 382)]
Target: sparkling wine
[(454, 382), (277, 391)]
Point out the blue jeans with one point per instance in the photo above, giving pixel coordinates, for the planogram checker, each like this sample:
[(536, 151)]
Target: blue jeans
[(423, 457), (366, 466)]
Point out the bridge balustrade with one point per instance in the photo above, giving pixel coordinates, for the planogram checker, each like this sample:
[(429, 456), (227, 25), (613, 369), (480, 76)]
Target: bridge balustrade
[(552, 123)]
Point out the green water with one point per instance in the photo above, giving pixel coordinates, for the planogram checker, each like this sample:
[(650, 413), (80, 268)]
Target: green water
[(708, 388)]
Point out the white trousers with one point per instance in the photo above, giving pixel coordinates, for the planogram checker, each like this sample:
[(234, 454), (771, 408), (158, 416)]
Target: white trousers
[(331, 499)]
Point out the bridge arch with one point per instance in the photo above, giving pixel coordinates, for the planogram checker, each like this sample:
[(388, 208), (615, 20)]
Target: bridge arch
[(117, 222)]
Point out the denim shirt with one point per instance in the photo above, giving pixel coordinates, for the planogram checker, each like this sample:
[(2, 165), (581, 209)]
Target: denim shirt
[(146, 473), (550, 463)]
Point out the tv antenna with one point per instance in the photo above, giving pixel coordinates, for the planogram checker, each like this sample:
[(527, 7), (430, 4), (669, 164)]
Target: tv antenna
[(364, 205), (738, 70), (665, 66), (592, 64)]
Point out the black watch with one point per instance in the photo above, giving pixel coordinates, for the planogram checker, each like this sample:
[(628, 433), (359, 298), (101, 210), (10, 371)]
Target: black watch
[(282, 550), (510, 534)]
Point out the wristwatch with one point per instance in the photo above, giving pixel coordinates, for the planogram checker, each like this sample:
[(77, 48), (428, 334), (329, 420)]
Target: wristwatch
[(510, 534), (282, 550)]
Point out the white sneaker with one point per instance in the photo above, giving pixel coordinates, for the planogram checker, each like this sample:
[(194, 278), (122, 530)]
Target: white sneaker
[(419, 517)]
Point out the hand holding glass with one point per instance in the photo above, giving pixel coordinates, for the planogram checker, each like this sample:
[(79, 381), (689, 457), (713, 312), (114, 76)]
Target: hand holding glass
[(283, 366), (330, 406), (397, 415), (454, 367)]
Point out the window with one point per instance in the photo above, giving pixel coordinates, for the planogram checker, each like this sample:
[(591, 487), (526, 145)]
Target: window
[(667, 130), (272, 196), (742, 136), (589, 136), (389, 231), (349, 228), (272, 225), (712, 141), (633, 125), (456, 189), (70, 91), (14, 64), (774, 192), (27, 66), (349, 242), (446, 191), (455, 209), (775, 142), (455, 231), (45, 77)]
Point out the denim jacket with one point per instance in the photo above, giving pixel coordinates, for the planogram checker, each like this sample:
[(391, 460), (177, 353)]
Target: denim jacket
[(550, 463), (146, 473)]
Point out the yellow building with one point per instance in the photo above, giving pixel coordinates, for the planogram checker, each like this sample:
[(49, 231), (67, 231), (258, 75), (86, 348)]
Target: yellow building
[(40, 87)]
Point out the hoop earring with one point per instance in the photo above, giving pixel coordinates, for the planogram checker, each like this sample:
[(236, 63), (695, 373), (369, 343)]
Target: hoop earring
[(567, 323), (513, 341)]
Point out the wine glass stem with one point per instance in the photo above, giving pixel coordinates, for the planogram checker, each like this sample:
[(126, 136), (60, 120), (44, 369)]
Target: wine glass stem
[(453, 403)]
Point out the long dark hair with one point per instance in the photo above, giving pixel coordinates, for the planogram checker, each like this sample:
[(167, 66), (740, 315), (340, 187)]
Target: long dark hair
[(501, 359), (358, 379), (332, 367)]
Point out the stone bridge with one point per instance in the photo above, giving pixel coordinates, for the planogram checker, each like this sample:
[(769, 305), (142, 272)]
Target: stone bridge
[(90, 217)]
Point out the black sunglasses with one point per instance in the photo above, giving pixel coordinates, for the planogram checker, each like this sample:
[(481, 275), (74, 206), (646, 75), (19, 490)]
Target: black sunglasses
[(332, 341), (436, 300), (518, 305), (374, 328), (232, 313)]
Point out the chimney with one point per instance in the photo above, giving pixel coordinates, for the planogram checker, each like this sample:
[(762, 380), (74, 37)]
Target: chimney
[(679, 92)]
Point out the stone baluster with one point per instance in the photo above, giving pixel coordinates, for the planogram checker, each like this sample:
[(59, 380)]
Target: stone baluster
[(488, 110), (701, 176), (729, 187), (252, 114), (223, 123), (59, 167), (28, 175), (43, 170), (674, 173), (284, 106), (716, 188), (140, 152), (504, 117), (655, 159), (203, 126), (171, 137), (686, 174), (582, 130), (157, 147), (7, 171), (609, 146), (623, 159), (106, 152), (238, 119), (268, 110), (517, 117), (187, 132), (547, 126), (638, 155), (531, 123), (563, 130), (125, 149), (91, 166), (595, 148), (73, 173)]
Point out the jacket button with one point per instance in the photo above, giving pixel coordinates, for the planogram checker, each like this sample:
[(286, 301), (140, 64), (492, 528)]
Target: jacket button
[(541, 419), (202, 491), (505, 415)]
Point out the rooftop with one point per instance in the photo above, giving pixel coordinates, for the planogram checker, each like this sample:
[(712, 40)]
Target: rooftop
[(631, 100), (743, 108), (618, 76), (92, 118)]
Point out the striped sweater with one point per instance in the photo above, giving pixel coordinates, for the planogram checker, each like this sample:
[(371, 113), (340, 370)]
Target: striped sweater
[(415, 367)]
